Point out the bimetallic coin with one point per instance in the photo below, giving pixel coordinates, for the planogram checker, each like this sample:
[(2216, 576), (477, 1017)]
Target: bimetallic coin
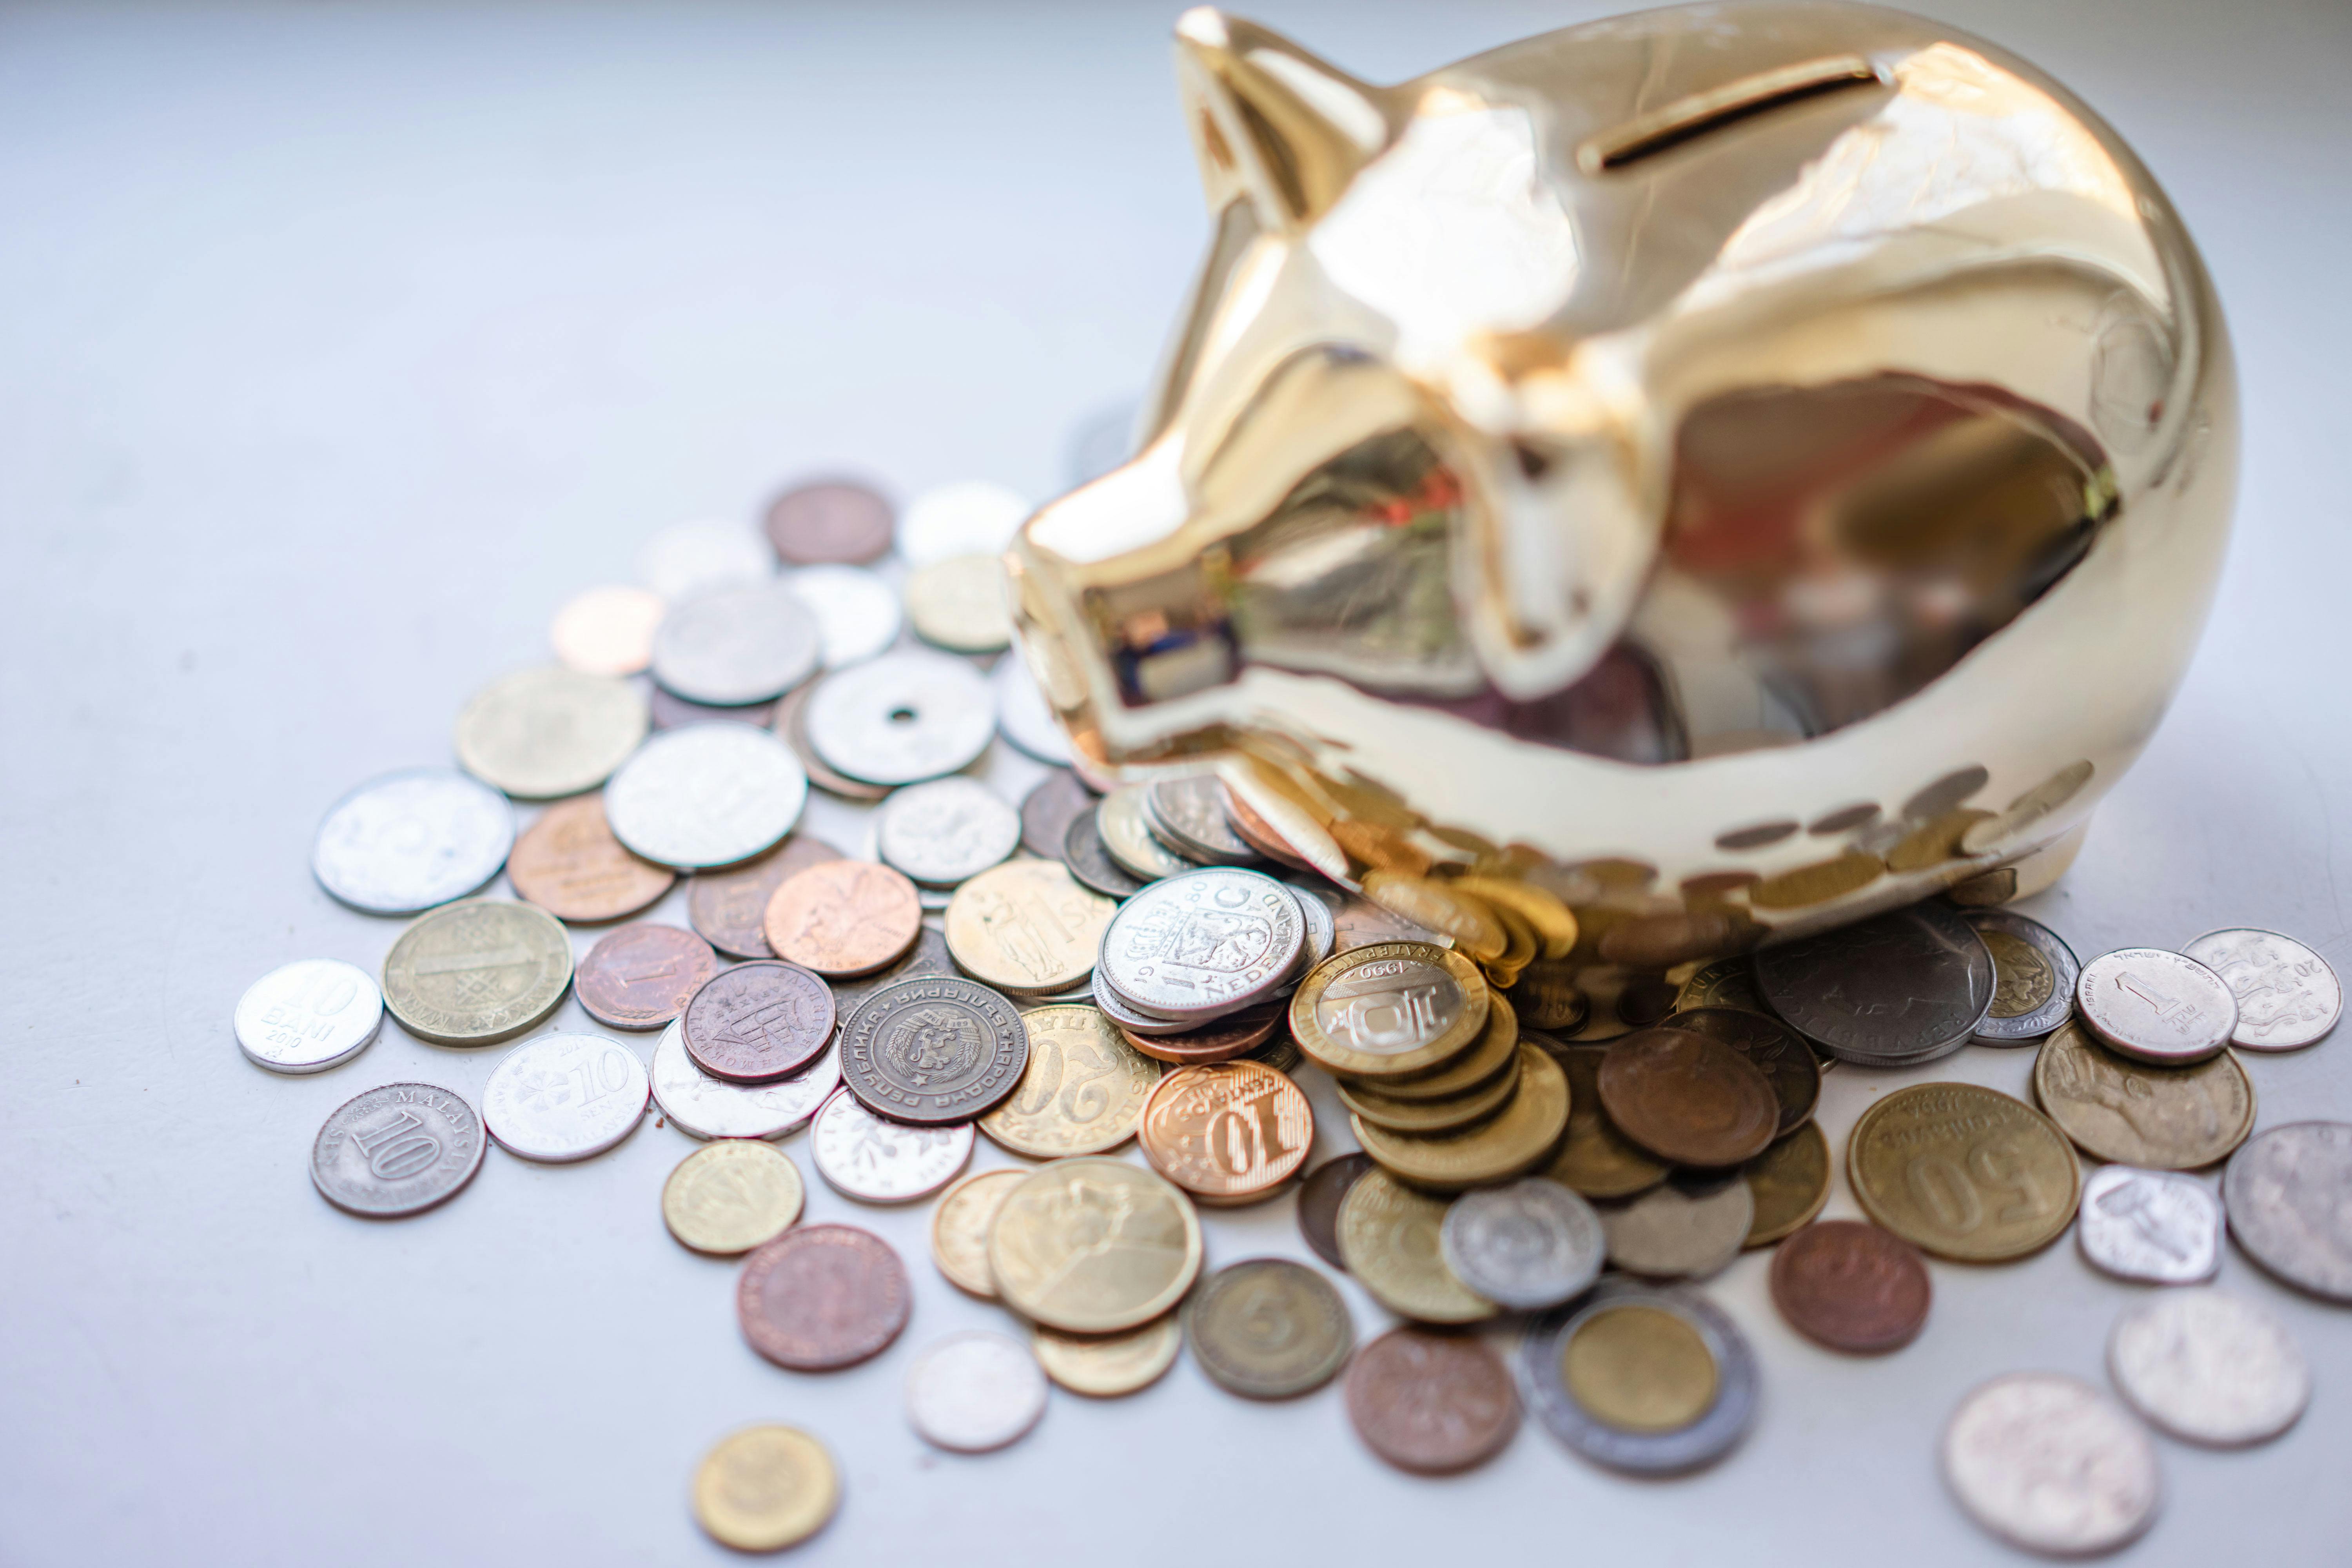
[(607, 631), (960, 1228), (931, 1052), (1688, 1098), (2289, 1197), (1531, 1245), (1267, 1328), (842, 918), (733, 645), (2033, 977), (2044, 1462), (1106, 1366), (1232, 1130), (1679, 1232), (1024, 719), (2173, 1118), (1082, 1093), (1496, 1055), (862, 1156), (1389, 1009), (829, 521), (1027, 927), (690, 558), (1963, 1173), (2288, 995), (1772, 1048), (396, 1150), (1432, 1404), (1209, 941), (569, 864), (1089, 859), (2149, 1226), (947, 831), (1094, 1247), (471, 974), (823, 1297), (1047, 811), (642, 977), (1125, 834), (758, 1022), (709, 795), (1513, 1141), (902, 718), (309, 1015), (562, 1097), (730, 1196), (1637, 1378), (1595, 1159), (1851, 1287), (728, 908), (1188, 814), (1388, 1236), (549, 731), (856, 611), (966, 517), (2210, 1368), (1320, 1197), (410, 841), (1790, 1182), (2160, 1006), (974, 1392), (1898, 990), (707, 1107), (959, 603)]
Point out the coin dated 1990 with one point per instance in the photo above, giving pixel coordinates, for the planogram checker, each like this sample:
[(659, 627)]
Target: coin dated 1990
[(2154, 1227), (902, 718), (1964, 1173), (733, 645), (1389, 1009), (410, 841), (947, 831), (1433, 1403), (730, 1196), (1082, 1092), (706, 554), (758, 1021), (309, 1015), (959, 604), (707, 794), (862, 1156), (1028, 927), (1094, 1247), (1639, 1378), (642, 975), (2288, 995), (707, 1107), (1852, 1286), (2176, 1118), (2288, 1194), (823, 1297), (826, 520), (471, 974), (2210, 1367), (931, 1052), (1531, 1245), (2158, 1006), (607, 630), (2034, 974), (856, 611), (764, 1489), (397, 1150), (960, 1228), (2045, 1462), (1900, 989), (974, 1392), (1189, 814), (569, 864), (1266, 1328), (549, 731), (1106, 1366), (1026, 720), (561, 1098), (728, 908)]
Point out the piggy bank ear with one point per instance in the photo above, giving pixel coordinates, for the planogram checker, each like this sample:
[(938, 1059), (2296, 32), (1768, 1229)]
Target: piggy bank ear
[(1271, 123)]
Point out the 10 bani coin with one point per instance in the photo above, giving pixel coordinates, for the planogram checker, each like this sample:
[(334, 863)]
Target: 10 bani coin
[(1094, 1247), (730, 1196), (1963, 1173), (471, 974), (396, 1150), (934, 1051), (1228, 1132), (309, 1015), (764, 1489)]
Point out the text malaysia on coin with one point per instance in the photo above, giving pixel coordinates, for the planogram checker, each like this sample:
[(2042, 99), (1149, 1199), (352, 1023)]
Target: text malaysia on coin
[(412, 839), (1900, 989), (823, 1297), (2289, 1197), (1206, 943), (470, 973), (1094, 1246), (707, 1107), (2047, 1463), (1267, 1328), (309, 1015), (550, 731), (707, 794), (758, 1021), (398, 1150), (902, 718), (561, 1098), (934, 1051), (1389, 1009), (2288, 995), (1531, 1245), (862, 1156)]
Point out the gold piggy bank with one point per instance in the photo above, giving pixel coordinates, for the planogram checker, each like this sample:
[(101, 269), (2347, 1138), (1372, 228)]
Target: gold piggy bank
[(1734, 469)]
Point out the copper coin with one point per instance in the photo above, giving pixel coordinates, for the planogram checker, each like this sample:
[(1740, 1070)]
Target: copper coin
[(641, 976), (1047, 811), (1260, 834), (829, 521), (843, 917), (1779, 1052), (1646, 1001), (1236, 1034), (1688, 1098), (671, 711), (1226, 1130), (1851, 1286), (758, 1021), (1431, 1403), (569, 864), (729, 906), (791, 726), (823, 1297), (1320, 1197)]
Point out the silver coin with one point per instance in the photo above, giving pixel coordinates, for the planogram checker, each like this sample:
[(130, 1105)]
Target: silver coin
[(1022, 713), (309, 1015), (947, 831), (1543, 1381), (1089, 859), (1189, 816), (2161, 1007), (1671, 1232), (973, 1391), (1531, 1245), (704, 796), (2210, 1368), (2156, 1226), (736, 645), (690, 558), (2288, 1194), (2033, 977), (2288, 995), (565, 1097), (2045, 1462), (1126, 1016), (412, 839), (1322, 932), (959, 604), (856, 611), (863, 1157), (398, 1150), (1204, 944), (1047, 811), (1901, 989), (708, 1107), (902, 718), (1126, 833), (969, 517), (1102, 441)]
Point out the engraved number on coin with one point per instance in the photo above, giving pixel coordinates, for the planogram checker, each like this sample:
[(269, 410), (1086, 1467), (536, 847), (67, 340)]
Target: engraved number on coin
[(1949, 1193), (1074, 1077), (399, 1148), (1247, 1137)]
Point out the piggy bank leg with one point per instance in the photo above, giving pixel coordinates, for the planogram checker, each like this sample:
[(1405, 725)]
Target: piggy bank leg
[(2036, 873)]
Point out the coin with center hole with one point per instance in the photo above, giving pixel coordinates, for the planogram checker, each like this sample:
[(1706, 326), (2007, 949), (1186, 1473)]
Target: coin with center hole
[(758, 1021), (728, 908), (730, 1196), (829, 521), (1267, 1328), (974, 1392), (569, 864), (862, 1156), (1852, 1286), (565, 1097), (707, 1107), (1530, 1245), (2045, 1462), (2157, 1006), (2154, 1227), (607, 631), (642, 977), (823, 1297), (856, 611), (733, 645), (764, 1489), (309, 1015), (902, 718), (550, 731), (2288, 995), (946, 831), (471, 974), (791, 725), (934, 1051), (707, 794), (410, 841), (396, 1150), (1433, 1403)]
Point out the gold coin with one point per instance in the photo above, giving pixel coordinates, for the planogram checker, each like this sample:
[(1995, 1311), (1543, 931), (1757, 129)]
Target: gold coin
[(1554, 921), (1596, 1159), (764, 1489), (1388, 1238), (959, 603), (1119, 821), (731, 1195), (1725, 983), (1639, 1368), (1082, 1092), (1104, 1366), (1520, 949), (1424, 1116), (1027, 926), (1092, 1246), (549, 731), (1964, 1173), (1388, 1008), (2168, 1119), (960, 1228), (1463, 917), (2022, 978), (1514, 1141), (468, 974), (607, 631), (1791, 1182), (1496, 1053)]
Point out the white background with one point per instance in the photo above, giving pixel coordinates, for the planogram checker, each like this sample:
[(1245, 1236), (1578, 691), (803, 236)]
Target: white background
[(340, 344)]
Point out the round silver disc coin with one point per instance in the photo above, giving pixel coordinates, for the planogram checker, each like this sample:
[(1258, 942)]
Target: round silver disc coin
[(974, 1391), (2033, 977), (2161, 1007), (877, 1161), (1896, 990), (1671, 1233), (1322, 932), (969, 517), (1022, 713), (1204, 944), (2156, 1226), (565, 1097), (1188, 814), (736, 645), (410, 841), (1531, 1245), (704, 796), (2288, 995), (1126, 831), (2210, 1368), (1543, 1379), (947, 831), (2288, 1194), (309, 1015), (398, 1150), (856, 613), (902, 718), (690, 558), (708, 1106), (2047, 1463)]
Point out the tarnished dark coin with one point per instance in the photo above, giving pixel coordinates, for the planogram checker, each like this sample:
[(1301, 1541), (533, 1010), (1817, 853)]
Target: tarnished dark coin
[(1787, 1063), (1047, 811), (758, 1021), (830, 521), (1431, 1403), (641, 976), (934, 1051), (1548, 997), (569, 864), (930, 955), (2033, 977), (671, 711), (1267, 1328), (1088, 858), (1595, 1159), (398, 1150), (1646, 1000), (1688, 1097), (728, 907), (1320, 1197), (1235, 1035), (823, 1297), (1851, 1286), (1896, 991)]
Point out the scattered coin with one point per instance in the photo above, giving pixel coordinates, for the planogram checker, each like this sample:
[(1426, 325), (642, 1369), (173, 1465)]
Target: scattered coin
[(1231, 1131), (960, 1228), (1389, 1238), (862, 1156), (1189, 816), (1963, 1173), (1531, 1245), (1851, 1287), (1388, 1009), (823, 1297), (1642, 1379), (1724, 983), (1204, 944), (1595, 1159), (1106, 1366), (927, 956), (2044, 1462), (1267, 1328), (607, 631), (1790, 1182), (974, 1392), (562, 1097), (1680, 1232), (2154, 1226), (2210, 1368), (2158, 1006), (1082, 1093), (764, 1489), (1687, 1097), (947, 831), (1432, 1404), (1898, 990), (1027, 927), (1094, 1247), (968, 516), (733, 645), (843, 917), (1513, 1141), (671, 711), (1548, 997), (709, 795), (934, 1051), (1426, 1117), (642, 977), (1320, 1197), (708, 1107), (1469, 921), (569, 864), (791, 725), (758, 1022), (410, 841), (856, 613), (549, 731), (1089, 858), (471, 974), (1027, 721), (2173, 1118), (728, 908), (2033, 977), (959, 604), (2289, 1197), (829, 521), (1124, 824), (690, 558), (730, 1196), (1772, 1048), (902, 718), (397, 1150), (309, 1015), (1047, 811), (2287, 996)]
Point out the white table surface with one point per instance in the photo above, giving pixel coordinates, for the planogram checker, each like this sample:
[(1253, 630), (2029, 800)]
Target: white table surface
[(340, 344)]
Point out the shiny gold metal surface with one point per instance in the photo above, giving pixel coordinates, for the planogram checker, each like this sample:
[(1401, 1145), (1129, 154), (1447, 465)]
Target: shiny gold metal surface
[(1964, 1173), (1511, 1143), (731, 1195), (1638, 1369), (1082, 1092), (960, 1228), (1106, 1366), (765, 1487), (1731, 470), (1092, 1246)]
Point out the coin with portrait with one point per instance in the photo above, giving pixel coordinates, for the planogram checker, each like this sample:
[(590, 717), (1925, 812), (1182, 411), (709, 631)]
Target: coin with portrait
[(2167, 1118)]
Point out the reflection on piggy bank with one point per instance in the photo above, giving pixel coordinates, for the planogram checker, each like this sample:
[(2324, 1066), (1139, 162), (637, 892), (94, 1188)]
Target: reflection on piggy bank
[(1739, 470)]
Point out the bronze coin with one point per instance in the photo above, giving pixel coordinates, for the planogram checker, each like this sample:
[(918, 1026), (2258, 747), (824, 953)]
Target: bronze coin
[(758, 1021), (641, 976), (791, 725), (827, 522), (569, 864), (930, 955), (1851, 1286), (1222, 1131), (823, 1297), (1236, 1034), (1688, 1098), (729, 906), (1431, 1403), (843, 917), (1047, 811), (1548, 997), (671, 711), (1645, 1001), (1320, 1197), (1779, 1052)]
